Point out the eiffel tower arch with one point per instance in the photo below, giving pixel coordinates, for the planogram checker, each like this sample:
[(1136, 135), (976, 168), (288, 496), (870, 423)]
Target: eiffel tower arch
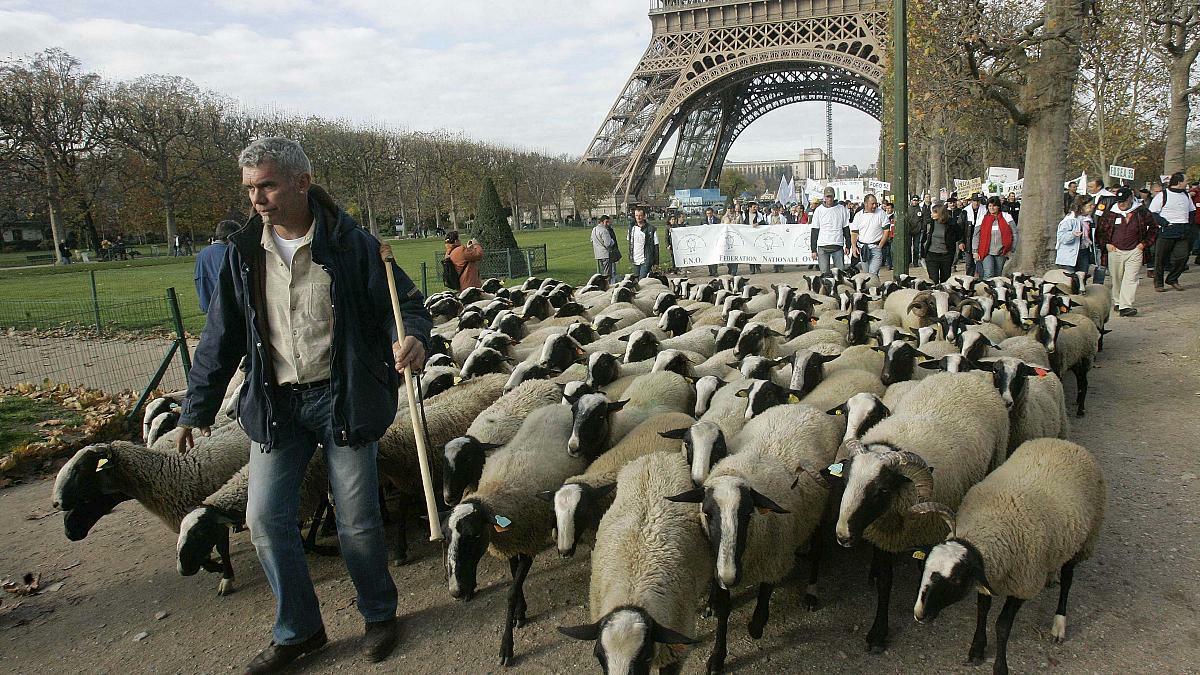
[(713, 67)]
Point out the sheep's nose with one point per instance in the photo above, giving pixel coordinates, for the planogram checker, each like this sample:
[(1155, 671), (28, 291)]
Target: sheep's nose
[(845, 541)]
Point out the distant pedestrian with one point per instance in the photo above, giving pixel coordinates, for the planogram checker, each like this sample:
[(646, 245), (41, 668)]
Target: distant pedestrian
[(643, 244), (730, 217), (943, 235), (1174, 208), (1073, 243), (604, 248), (1123, 234), (868, 234), (994, 239), (64, 252), (210, 261), (465, 258), (830, 240)]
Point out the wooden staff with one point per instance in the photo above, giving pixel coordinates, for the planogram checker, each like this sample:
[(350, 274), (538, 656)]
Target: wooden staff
[(418, 425)]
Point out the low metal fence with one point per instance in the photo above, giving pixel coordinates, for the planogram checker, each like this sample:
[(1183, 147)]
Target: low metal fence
[(508, 263), (121, 345)]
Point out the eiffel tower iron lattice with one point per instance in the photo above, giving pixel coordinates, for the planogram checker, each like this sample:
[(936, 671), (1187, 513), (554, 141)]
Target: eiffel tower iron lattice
[(713, 67)]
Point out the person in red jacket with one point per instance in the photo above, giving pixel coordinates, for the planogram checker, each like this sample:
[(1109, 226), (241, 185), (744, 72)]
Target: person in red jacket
[(1123, 233), (466, 259)]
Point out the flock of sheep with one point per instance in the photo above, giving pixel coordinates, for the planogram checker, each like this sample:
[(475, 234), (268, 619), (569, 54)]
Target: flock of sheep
[(705, 437)]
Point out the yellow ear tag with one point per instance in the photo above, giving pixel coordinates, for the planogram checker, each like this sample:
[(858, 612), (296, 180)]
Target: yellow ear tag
[(457, 379), (792, 398), (835, 470), (919, 555), (101, 463), (837, 411), (983, 591)]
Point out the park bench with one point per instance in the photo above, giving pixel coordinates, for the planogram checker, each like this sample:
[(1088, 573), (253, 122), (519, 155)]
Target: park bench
[(40, 258)]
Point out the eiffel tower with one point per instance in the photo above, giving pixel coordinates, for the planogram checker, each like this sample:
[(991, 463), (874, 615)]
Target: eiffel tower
[(713, 67)]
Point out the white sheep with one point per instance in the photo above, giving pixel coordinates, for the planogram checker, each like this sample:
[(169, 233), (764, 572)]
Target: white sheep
[(583, 499), (650, 568), (1072, 346), (955, 423), (505, 517), (1039, 513), (1034, 397), (772, 471)]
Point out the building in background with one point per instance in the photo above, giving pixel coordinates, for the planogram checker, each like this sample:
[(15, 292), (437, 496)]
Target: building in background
[(812, 163)]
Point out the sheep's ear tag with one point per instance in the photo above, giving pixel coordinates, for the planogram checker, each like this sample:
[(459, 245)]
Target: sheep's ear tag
[(457, 379), (837, 411), (792, 398), (501, 523), (101, 463), (919, 555), (1041, 372), (835, 470), (743, 393), (983, 591)]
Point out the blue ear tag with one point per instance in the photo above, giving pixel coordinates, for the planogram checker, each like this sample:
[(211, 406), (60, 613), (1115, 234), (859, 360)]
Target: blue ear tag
[(835, 470), (502, 521)]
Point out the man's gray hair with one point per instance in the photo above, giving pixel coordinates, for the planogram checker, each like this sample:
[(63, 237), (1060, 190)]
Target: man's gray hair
[(287, 155)]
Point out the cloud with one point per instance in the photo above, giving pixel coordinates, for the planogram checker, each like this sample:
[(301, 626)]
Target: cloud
[(539, 75)]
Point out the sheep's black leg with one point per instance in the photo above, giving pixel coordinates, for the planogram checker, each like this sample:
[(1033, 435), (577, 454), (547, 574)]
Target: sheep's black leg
[(400, 554), (1081, 385), (762, 610), (329, 527), (225, 587), (1003, 628), (1066, 576), (514, 569), (718, 599), (519, 564), (816, 547), (881, 563), (310, 541), (983, 605)]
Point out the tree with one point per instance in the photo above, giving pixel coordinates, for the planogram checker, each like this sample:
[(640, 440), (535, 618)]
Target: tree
[(173, 126), (491, 226), (48, 106), (1029, 65), (588, 185), (733, 183), (1179, 21)]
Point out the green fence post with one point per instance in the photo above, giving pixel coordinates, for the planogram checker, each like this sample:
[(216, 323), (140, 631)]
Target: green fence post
[(424, 279), (529, 263), (185, 359), (508, 261), (95, 302)]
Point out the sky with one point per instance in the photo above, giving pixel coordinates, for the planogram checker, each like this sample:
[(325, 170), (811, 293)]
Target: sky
[(535, 74)]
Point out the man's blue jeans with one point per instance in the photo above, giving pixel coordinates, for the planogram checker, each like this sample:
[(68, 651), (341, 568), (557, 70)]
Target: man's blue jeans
[(642, 270), (272, 513), (871, 258), (834, 256)]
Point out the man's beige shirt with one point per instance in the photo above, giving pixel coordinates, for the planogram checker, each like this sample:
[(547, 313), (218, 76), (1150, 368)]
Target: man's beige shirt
[(299, 313)]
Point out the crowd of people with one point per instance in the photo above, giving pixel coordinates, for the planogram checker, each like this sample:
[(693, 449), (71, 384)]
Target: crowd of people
[(1101, 230)]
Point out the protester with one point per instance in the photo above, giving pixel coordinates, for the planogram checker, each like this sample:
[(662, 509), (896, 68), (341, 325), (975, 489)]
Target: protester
[(831, 233), (915, 218), (643, 244), (710, 218), (64, 252), (889, 229), (943, 235), (730, 217), (1073, 249), (317, 337), (1100, 194), (971, 216), (1012, 206), (993, 240), (465, 258), (210, 261), (753, 218), (868, 234), (1123, 234), (604, 247), (1174, 208), (1069, 195)]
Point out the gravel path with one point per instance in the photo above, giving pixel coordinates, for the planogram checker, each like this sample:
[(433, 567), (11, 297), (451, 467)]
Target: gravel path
[(1133, 607)]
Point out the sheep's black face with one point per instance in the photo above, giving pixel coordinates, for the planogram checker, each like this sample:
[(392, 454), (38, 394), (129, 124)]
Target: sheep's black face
[(899, 359), (590, 425), (726, 504), (470, 319), (560, 352), (439, 345), (625, 639), (750, 341), (511, 325), (799, 322), (859, 328), (605, 324), (446, 307), (675, 320), (662, 302), (200, 532), (808, 370), (570, 309), (582, 333), (576, 510), (439, 383), (482, 361), (726, 338), (84, 490), (494, 308), (492, 285), (603, 368), (642, 345), (79, 521), (871, 483), (763, 395), (704, 446), (622, 294), (462, 465), (468, 529), (951, 570), (862, 412)]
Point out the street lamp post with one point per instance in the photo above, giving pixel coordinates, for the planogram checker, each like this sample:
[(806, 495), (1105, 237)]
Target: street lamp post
[(900, 110)]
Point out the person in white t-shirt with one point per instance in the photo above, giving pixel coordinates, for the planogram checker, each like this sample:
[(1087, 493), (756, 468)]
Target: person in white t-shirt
[(831, 232), (868, 234)]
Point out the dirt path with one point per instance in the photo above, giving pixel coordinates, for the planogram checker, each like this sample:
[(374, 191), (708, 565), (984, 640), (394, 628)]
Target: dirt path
[(1133, 608)]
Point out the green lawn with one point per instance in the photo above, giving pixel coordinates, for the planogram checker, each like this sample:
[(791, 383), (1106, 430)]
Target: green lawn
[(18, 416), (68, 288)]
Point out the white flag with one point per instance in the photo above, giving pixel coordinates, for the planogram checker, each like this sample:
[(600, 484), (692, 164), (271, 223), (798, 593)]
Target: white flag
[(781, 193)]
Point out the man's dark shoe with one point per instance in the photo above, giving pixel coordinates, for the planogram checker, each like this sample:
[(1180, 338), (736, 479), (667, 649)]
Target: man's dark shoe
[(1128, 311), (1159, 289), (380, 639), (275, 657), (1177, 287)]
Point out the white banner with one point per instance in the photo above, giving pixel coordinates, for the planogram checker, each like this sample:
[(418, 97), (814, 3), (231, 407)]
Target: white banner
[(1015, 187), (849, 189), (764, 245), (879, 186), (968, 187), (1001, 175), (1122, 172)]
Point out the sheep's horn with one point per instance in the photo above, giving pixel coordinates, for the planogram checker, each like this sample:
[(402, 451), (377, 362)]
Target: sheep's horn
[(913, 467), (940, 509), (855, 447)]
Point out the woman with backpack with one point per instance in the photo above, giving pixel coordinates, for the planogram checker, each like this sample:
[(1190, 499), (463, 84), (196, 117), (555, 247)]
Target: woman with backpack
[(465, 260)]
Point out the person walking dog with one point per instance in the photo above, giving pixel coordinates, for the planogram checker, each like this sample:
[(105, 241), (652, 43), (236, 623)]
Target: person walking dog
[(303, 295)]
